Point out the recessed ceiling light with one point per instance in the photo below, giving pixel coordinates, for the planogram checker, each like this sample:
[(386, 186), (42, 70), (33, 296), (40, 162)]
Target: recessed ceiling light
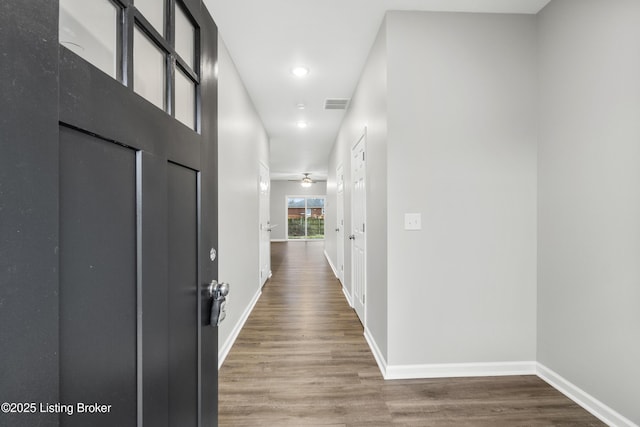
[(302, 124), (300, 71), (300, 106)]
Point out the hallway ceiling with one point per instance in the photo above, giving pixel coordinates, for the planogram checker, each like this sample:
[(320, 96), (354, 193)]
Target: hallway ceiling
[(332, 38)]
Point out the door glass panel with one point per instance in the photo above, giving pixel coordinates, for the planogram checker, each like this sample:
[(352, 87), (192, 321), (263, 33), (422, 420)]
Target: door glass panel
[(185, 99), (153, 11), (185, 37), (296, 217), (90, 30), (315, 218), (305, 217), (149, 69)]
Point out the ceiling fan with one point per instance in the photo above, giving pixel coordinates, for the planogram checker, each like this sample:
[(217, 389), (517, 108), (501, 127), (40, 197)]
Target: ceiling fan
[(306, 180)]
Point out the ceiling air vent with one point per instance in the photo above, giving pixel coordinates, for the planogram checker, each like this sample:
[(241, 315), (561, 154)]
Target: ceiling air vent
[(336, 103)]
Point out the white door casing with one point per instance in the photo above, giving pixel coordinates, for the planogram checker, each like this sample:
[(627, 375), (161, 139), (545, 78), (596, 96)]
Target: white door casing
[(358, 228), (265, 224), (340, 223)]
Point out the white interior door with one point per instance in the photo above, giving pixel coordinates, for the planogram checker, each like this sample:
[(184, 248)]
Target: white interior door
[(265, 225), (358, 234), (340, 223)]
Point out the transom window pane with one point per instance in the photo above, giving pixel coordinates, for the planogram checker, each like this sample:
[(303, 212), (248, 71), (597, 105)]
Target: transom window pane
[(149, 69), (185, 37), (185, 99), (90, 29), (154, 12)]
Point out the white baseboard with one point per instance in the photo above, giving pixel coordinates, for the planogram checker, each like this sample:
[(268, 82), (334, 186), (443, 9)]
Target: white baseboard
[(333, 267), (444, 370), (347, 295), (335, 273), (278, 240), (452, 370), (584, 399), (224, 350), (377, 354)]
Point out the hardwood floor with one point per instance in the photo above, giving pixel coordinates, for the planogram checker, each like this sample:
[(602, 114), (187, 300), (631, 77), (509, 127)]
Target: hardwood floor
[(301, 360)]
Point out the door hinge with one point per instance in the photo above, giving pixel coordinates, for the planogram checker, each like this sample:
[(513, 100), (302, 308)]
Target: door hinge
[(363, 298), (363, 227), (363, 156)]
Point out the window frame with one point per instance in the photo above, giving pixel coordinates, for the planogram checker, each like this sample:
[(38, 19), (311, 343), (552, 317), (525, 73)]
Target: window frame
[(129, 18)]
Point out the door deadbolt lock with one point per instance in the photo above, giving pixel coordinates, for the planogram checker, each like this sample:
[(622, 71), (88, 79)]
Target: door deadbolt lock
[(218, 293), (352, 237)]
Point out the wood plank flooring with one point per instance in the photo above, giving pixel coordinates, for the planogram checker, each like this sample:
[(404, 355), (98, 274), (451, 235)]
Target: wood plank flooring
[(301, 360)]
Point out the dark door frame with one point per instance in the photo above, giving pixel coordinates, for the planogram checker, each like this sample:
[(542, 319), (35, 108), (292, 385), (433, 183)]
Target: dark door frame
[(29, 207), (36, 78)]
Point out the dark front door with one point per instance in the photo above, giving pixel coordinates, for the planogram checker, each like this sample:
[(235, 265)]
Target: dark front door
[(137, 216)]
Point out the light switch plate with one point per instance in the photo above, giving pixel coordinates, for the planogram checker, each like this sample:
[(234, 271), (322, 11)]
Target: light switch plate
[(413, 221)]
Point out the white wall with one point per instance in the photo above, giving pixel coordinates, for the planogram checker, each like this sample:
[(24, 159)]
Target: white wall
[(589, 197), (242, 144), (279, 192), (368, 108), (449, 101), (462, 152)]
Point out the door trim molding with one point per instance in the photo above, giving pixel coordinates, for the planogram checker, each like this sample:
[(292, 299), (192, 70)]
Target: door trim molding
[(353, 294), (262, 241), (340, 205)]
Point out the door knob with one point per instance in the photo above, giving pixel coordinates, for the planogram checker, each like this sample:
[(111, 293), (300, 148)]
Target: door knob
[(218, 293), (352, 237), (337, 229)]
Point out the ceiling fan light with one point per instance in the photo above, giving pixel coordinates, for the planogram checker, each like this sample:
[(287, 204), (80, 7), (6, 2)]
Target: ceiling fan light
[(306, 181)]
